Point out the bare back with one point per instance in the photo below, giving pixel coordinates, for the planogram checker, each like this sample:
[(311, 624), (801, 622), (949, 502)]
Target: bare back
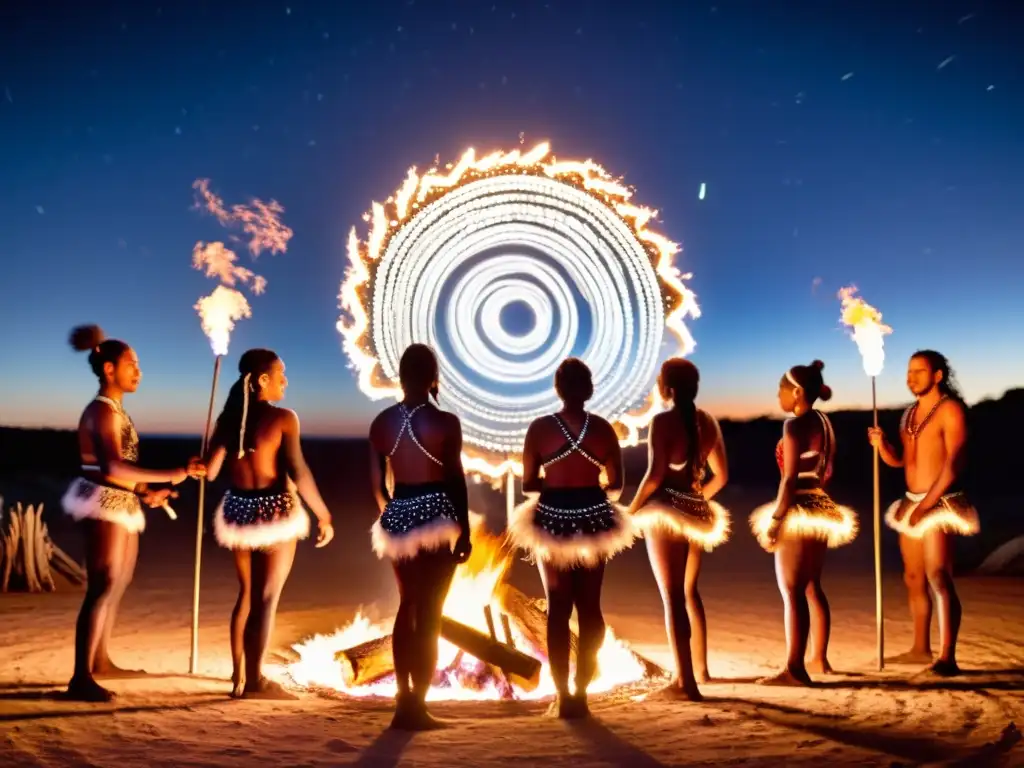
[(564, 467), (262, 466), (415, 441), (677, 446), (816, 448), (928, 438)]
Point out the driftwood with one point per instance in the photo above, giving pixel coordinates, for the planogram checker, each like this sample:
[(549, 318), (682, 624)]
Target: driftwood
[(367, 662), (28, 556)]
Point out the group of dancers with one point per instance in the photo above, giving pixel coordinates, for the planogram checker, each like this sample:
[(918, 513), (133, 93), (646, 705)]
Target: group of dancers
[(571, 524)]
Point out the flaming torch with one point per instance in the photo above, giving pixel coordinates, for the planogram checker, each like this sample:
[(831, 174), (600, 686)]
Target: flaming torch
[(218, 313), (868, 333)]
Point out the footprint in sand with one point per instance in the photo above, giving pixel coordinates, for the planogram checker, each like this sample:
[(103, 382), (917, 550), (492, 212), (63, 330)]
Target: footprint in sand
[(337, 746)]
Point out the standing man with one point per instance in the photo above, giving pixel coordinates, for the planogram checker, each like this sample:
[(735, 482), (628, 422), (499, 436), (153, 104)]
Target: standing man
[(933, 432)]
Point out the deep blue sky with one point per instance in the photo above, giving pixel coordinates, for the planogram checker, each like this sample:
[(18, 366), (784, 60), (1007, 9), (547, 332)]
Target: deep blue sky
[(834, 144)]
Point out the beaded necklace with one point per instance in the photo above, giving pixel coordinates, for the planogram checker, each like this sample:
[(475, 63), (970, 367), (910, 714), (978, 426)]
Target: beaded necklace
[(911, 430)]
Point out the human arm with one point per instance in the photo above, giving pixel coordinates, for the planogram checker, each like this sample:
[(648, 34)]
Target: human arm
[(304, 482), (455, 480), (954, 436), (613, 466), (787, 484), (107, 441), (657, 462), (378, 477), (885, 451), (215, 461), (531, 462), (718, 462)]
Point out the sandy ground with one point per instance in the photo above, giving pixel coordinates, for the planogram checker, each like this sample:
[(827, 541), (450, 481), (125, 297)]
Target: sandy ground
[(861, 717)]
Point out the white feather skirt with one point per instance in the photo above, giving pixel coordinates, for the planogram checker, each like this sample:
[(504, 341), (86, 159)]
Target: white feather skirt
[(419, 518), (684, 515), (953, 514), (86, 500), (571, 527), (814, 515), (260, 519)]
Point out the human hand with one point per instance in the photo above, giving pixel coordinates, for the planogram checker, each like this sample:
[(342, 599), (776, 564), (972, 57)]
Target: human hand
[(324, 533), (196, 468), (876, 438), (772, 535), (463, 547), (917, 514), (158, 497), (178, 476)]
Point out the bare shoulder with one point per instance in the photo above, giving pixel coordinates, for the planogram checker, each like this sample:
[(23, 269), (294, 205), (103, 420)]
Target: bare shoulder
[(604, 427), (952, 411), (706, 420), (286, 418), (451, 421), (381, 419)]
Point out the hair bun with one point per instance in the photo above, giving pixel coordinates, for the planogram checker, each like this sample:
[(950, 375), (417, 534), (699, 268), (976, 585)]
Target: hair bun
[(85, 338), (825, 393), (818, 364)]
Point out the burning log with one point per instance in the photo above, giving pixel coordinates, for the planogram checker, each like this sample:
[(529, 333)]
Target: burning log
[(532, 621), (27, 553), (367, 662), (522, 669)]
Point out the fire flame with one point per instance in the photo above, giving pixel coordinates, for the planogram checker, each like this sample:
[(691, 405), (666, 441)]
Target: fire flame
[(417, 191), (472, 590), (868, 329), (218, 313)]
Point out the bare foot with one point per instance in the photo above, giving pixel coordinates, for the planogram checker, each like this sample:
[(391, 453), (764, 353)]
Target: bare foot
[(87, 689), (787, 677), (702, 677), (110, 670), (237, 685), (677, 691), (568, 708), (412, 715), (943, 668), (820, 667), (267, 690), (913, 656)]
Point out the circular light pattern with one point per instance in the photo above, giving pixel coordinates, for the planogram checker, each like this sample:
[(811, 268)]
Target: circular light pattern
[(449, 254)]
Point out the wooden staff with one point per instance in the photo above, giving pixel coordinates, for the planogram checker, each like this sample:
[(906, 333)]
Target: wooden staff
[(879, 620), (193, 662)]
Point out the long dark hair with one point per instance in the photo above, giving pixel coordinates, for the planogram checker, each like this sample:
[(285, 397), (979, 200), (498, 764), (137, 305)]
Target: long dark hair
[(938, 362), (681, 377), (253, 364), (91, 339), (417, 371)]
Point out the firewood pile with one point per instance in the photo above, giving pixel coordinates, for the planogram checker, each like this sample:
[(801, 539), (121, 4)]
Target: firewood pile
[(28, 556)]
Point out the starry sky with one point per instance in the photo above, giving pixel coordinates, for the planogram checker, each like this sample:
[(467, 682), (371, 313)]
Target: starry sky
[(873, 143)]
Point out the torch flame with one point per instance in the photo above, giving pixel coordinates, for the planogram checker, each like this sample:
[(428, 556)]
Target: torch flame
[(418, 190), (868, 329), (218, 312)]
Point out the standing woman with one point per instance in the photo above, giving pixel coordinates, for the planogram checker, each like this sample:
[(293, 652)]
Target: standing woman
[(261, 517), (803, 522), (571, 525), (105, 498), (673, 508), (423, 526)]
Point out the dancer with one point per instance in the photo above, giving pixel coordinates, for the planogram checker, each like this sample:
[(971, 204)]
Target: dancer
[(674, 510), (261, 518), (571, 526), (933, 432), (803, 522), (105, 499), (423, 526)]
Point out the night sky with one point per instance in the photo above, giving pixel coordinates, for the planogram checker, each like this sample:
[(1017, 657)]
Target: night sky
[(874, 143)]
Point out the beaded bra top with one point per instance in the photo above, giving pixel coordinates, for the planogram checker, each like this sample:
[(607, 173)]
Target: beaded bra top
[(407, 429), (129, 437), (572, 444), (823, 469)]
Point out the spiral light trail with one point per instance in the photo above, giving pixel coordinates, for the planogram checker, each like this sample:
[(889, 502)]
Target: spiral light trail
[(449, 253)]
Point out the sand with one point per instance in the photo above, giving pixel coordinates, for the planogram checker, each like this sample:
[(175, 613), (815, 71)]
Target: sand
[(858, 717)]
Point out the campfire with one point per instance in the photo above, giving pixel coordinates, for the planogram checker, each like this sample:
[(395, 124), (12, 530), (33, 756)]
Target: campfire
[(493, 643)]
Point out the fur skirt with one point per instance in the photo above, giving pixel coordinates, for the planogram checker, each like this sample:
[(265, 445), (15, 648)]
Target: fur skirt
[(418, 518), (814, 515), (685, 515), (86, 500), (260, 519), (953, 514)]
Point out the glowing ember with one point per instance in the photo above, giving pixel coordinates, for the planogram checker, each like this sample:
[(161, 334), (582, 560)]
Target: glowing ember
[(451, 249), (459, 676), (868, 329)]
